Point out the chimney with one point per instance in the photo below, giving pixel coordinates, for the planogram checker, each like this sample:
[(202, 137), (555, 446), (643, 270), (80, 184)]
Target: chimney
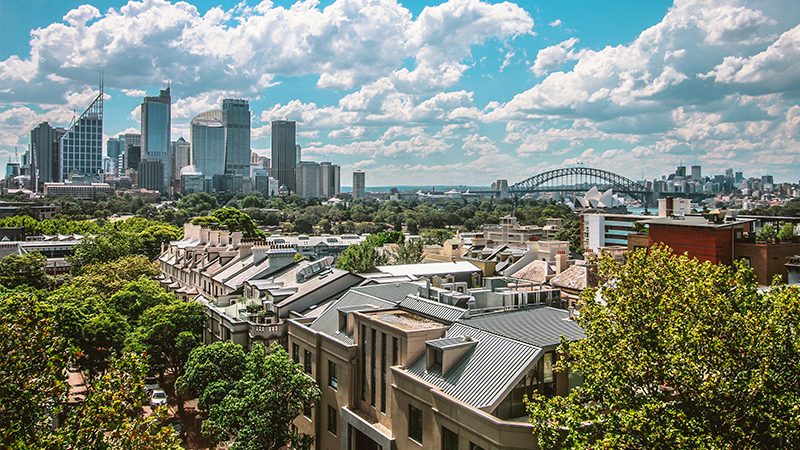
[(236, 238), (245, 250), (224, 237), (205, 235), (562, 261)]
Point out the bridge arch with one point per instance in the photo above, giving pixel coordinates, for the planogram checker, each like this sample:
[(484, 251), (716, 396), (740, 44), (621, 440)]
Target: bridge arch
[(575, 179)]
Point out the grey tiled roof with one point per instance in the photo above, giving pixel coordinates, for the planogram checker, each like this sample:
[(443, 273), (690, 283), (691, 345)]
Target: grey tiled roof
[(432, 309), (542, 327), (484, 373)]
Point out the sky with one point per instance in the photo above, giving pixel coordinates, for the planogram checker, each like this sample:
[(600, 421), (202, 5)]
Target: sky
[(421, 93)]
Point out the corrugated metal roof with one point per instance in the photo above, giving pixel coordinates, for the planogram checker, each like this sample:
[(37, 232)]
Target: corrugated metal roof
[(392, 292), (432, 309), (484, 373), (542, 327), (450, 342)]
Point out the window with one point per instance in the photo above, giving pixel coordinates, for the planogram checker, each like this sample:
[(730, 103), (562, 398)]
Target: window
[(415, 424), (449, 440), (383, 372), (372, 370), (307, 361), (333, 380), (395, 355), (363, 363), (333, 426), (296, 353)]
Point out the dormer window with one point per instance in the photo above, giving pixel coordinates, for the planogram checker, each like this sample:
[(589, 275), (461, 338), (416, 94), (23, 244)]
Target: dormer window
[(435, 359)]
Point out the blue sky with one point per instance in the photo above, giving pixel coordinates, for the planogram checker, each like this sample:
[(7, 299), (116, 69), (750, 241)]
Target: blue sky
[(456, 92)]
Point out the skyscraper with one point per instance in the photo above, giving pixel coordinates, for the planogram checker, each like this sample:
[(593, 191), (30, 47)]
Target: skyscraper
[(44, 153), (236, 120), (208, 143), (308, 175), (329, 180), (81, 147), (180, 157), (284, 154), (114, 149), (156, 131), (359, 184), (680, 171), (697, 172), (151, 173)]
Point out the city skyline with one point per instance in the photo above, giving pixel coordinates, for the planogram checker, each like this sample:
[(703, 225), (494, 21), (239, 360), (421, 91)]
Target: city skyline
[(458, 92)]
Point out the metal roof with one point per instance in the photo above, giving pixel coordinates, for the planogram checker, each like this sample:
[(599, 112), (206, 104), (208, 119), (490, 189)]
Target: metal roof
[(433, 309), (423, 269), (450, 342), (484, 373), (542, 327), (358, 299)]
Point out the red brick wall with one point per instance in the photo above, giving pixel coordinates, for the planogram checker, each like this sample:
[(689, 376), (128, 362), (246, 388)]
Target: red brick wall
[(705, 244)]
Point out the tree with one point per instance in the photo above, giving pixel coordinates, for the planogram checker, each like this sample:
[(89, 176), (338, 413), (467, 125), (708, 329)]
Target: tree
[(234, 220), (360, 258), (786, 232), (412, 226), (408, 252), (258, 411), (26, 269), (155, 235), (168, 333), (767, 233), (139, 295), (111, 416), (198, 203), (32, 360), (221, 361), (385, 237), (693, 357), (303, 224), (435, 236), (104, 247), (102, 337)]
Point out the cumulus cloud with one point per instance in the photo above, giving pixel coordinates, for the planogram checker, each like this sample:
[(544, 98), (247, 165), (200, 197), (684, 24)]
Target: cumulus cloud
[(553, 57), (555, 23)]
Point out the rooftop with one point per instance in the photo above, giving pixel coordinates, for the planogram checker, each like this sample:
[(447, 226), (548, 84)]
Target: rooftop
[(404, 320), (541, 327), (429, 268), (695, 221)]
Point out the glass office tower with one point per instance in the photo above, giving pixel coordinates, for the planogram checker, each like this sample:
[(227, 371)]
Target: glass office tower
[(156, 131), (236, 119), (81, 146), (208, 144)]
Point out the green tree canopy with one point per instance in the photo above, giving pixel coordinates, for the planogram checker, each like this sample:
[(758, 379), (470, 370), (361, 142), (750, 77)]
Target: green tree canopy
[(198, 203), (32, 359), (258, 410), (408, 252), (221, 361), (679, 355), (26, 269), (360, 258), (137, 296), (435, 236)]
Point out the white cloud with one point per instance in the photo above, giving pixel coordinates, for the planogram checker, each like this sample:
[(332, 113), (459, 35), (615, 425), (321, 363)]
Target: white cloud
[(134, 92), (553, 57), (555, 23)]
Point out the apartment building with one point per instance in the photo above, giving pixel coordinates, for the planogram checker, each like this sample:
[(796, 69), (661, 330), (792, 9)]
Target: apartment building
[(401, 368)]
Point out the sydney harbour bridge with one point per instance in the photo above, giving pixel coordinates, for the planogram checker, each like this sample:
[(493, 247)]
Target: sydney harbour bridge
[(579, 180)]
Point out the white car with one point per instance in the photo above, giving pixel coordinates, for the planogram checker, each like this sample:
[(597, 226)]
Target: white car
[(158, 398), (151, 384)]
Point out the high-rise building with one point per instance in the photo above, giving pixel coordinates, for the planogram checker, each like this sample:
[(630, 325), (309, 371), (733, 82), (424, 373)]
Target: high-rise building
[(680, 171), (156, 131), (208, 143), (133, 157), (739, 177), (284, 153), (81, 147), (151, 175), (236, 120), (729, 174), (44, 153), (359, 184), (308, 179), (329, 180), (180, 157), (114, 149), (697, 172)]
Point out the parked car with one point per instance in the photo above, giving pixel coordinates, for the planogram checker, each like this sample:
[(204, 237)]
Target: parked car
[(158, 398), (151, 384)]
